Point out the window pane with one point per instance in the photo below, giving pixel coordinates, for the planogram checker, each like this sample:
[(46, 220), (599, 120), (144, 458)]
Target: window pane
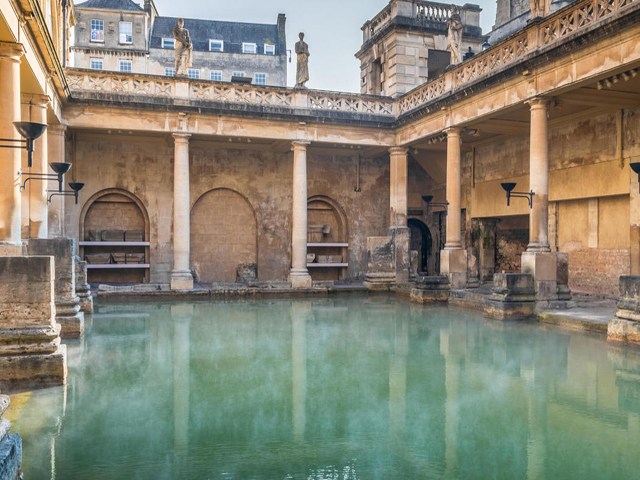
[(97, 31), (216, 46), (125, 65), (217, 76), (195, 74), (170, 72), (126, 32), (260, 79), (248, 48), (238, 74), (169, 43), (96, 63), (269, 49)]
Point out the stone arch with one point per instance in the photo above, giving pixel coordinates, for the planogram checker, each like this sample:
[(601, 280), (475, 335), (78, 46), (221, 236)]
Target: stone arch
[(224, 234), (421, 241), (323, 210), (115, 209)]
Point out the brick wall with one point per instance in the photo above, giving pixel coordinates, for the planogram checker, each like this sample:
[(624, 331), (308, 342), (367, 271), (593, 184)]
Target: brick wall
[(597, 270)]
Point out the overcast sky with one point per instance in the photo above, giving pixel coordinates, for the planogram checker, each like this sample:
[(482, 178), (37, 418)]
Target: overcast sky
[(332, 30)]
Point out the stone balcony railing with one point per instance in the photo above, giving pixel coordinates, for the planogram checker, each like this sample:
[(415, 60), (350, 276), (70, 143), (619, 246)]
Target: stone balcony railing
[(537, 38)]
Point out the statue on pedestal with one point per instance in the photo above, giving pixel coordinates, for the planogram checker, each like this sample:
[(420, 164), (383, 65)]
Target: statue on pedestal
[(540, 8), (184, 48), (302, 72), (454, 35)]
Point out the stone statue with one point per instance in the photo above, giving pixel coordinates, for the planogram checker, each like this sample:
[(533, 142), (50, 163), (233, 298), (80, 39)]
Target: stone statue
[(184, 48), (540, 8), (302, 73), (454, 35)]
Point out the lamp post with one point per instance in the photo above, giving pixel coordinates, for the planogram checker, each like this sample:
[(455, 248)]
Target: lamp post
[(30, 132), (508, 187), (59, 168), (75, 190), (428, 199)]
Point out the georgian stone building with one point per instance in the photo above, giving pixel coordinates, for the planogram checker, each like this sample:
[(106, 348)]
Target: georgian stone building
[(122, 36)]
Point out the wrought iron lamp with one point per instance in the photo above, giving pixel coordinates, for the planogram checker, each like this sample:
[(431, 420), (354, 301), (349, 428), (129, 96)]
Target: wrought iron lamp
[(75, 190), (428, 199), (508, 187), (30, 132), (59, 168), (636, 168)]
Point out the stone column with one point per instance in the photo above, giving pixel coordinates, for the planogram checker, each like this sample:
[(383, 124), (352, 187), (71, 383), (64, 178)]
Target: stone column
[(453, 259), (181, 316), (10, 158), (301, 313), (398, 229), (538, 260), (181, 278), (56, 143), (299, 276), (36, 107)]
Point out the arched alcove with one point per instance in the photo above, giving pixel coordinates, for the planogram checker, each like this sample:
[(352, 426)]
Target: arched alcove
[(421, 241), (115, 210), (223, 235), (323, 211)]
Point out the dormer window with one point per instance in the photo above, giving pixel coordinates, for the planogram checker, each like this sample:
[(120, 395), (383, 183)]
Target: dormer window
[(269, 49), (169, 43), (249, 48), (216, 46)]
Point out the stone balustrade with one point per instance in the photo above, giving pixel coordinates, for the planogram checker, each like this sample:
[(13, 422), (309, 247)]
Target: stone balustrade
[(536, 38)]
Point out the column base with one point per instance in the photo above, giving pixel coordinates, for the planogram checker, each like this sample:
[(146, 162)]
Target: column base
[(543, 266), (181, 280), (300, 279), (9, 249), (34, 371), (453, 264), (69, 316)]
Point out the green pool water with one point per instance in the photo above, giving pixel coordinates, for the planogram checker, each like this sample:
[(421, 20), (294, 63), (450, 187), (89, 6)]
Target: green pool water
[(343, 388)]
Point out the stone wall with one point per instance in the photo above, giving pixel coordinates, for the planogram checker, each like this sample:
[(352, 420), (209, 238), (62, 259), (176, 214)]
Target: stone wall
[(256, 178)]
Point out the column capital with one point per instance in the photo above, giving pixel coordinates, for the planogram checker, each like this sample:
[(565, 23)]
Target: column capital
[(453, 131), (537, 103), (11, 51), (35, 99), (399, 150), (181, 137), (57, 130), (300, 144)]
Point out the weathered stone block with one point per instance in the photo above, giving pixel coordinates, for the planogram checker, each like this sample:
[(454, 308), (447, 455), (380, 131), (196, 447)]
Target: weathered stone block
[(625, 328), (68, 312), (83, 289), (431, 290), (513, 297), (247, 272), (453, 263), (34, 371), (401, 239), (11, 457)]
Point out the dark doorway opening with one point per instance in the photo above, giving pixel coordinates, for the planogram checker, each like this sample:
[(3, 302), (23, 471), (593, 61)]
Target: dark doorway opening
[(420, 241)]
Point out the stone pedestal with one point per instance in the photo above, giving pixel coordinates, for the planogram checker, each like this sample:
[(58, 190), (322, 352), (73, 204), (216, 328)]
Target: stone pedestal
[(625, 327), (513, 297), (401, 255), (68, 313), (431, 290), (83, 289), (453, 264), (10, 446), (543, 266), (381, 270), (30, 351)]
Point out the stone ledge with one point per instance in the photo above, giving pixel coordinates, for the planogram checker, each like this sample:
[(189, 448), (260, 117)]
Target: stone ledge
[(34, 371)]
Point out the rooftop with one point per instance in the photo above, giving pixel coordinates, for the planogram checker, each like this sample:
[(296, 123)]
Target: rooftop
[(112, 5)]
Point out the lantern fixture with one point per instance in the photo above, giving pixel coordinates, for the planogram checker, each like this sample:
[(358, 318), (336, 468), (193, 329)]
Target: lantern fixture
[(508, 187), (428, 199), (59, 168), (636, 168), (29, 132), (75, 190)]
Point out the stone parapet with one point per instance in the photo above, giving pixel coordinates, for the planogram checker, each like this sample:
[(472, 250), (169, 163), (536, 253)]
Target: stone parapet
[(431, 290), (30, 351), (83, 289), (68, 312), (625, 327), (513, 297)]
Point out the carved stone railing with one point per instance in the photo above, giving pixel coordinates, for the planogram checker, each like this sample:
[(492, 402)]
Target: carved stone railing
[(380, 20), (437, 12), (96, 83)]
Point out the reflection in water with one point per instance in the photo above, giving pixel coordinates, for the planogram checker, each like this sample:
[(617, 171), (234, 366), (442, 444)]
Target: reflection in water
[(350, 388)]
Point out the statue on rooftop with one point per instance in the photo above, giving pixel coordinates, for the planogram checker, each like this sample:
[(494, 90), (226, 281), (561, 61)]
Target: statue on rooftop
[(302, 73), (540, 8), (454, 35), (184, 48)]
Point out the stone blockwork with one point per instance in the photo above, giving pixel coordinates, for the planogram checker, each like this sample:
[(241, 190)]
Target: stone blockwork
[(30, 351), (625, 327), (68, 313), (83, 289), (230, 186), (513, 297), (431, 290)]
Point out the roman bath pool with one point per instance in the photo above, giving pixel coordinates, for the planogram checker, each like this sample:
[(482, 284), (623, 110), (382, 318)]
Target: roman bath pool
[(340, 388)]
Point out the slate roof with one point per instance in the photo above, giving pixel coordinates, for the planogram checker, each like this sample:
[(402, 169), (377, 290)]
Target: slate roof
[(233, 34), (112, 5)]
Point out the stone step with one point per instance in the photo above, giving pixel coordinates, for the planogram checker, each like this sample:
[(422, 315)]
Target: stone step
[(468, 299)]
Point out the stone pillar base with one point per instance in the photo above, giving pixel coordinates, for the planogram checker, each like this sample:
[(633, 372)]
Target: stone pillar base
[(453, 264), (625, 328), (624, 331), (69, 316), (86, 304), (431, 290), (513, 297), (543, 266), (181, 281), (300, 279), (21, 372), (380, 282)]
